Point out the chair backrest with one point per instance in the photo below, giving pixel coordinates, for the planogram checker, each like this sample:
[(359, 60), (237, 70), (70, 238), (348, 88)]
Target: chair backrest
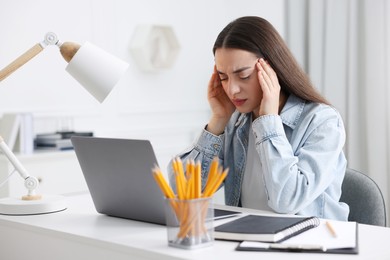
[(364, 198)]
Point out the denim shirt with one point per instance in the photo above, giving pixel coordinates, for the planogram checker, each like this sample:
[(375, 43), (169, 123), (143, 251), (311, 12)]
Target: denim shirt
[(301, 154)]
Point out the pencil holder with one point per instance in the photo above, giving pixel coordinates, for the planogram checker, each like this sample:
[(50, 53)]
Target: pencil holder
[(189, 223)]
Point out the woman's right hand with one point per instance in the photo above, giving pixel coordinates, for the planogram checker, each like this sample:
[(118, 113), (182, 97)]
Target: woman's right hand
[(221, 106)]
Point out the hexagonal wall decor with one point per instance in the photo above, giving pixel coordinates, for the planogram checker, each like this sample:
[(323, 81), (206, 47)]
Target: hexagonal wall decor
[(154, 47)]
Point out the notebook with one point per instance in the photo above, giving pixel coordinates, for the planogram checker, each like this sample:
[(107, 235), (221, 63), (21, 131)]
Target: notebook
[(315, 240), (264, 228), (118, 173)]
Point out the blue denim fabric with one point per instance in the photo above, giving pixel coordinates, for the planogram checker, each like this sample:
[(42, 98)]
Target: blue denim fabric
[(301, 154)]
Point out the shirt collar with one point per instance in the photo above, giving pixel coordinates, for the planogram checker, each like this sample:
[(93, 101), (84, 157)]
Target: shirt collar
[(292, 111)]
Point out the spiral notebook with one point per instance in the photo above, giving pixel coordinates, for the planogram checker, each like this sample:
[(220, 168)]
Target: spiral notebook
[(315, 240), (264, 228)]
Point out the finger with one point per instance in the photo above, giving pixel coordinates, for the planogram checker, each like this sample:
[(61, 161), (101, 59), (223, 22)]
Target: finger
[(263, 83), (265, 65), (217, 80), (269, 71), (266, 80), (214, 79)]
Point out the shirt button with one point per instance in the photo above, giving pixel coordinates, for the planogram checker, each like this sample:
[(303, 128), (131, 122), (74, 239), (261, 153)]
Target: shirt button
[(216, 146)]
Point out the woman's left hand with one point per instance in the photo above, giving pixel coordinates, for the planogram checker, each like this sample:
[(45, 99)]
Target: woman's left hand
[(270, 87)]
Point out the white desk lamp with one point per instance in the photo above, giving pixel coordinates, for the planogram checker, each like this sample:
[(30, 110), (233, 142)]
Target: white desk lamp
[(98, 72)]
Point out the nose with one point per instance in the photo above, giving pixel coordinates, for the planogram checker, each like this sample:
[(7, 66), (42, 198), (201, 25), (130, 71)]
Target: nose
[(233, 87)]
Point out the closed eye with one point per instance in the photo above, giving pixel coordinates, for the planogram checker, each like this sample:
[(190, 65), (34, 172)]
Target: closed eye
[(246, 75), (222, 79), (222, 76), (244, 78)]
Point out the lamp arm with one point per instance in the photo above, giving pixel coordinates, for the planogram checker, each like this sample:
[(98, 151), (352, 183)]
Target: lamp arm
[(30, 182), (67, 50), (50, 39), (20, 61)]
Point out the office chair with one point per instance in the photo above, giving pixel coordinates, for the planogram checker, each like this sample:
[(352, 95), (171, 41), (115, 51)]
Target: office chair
[(364, 197)]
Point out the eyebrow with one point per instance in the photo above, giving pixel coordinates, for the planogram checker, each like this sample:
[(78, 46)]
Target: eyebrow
[(236, 71)]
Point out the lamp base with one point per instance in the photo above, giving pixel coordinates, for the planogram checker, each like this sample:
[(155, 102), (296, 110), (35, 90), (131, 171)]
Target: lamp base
[(47, 204)]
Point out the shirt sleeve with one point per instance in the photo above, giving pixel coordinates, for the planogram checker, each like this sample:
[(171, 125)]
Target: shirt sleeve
[(296, 176), (205, 148)]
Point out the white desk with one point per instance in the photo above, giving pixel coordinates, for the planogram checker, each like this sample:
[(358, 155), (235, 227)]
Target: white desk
[(81, 233)]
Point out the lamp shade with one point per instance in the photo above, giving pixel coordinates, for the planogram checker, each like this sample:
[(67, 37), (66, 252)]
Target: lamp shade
[(96, 70)]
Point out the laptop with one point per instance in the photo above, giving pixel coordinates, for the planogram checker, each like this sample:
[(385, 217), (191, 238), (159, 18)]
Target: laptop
[(118, 173)]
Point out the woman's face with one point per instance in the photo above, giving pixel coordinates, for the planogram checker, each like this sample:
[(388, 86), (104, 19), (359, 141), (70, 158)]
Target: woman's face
[(238, 74)]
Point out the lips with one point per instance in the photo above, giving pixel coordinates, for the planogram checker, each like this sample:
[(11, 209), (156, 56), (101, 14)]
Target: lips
[(238, 102)]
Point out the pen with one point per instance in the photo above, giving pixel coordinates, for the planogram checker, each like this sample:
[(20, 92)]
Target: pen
[(331, 229)]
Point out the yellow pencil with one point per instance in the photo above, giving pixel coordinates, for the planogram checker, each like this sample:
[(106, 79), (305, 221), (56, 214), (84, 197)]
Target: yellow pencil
[(212, 171), (189, 169), (166, 189), (220, 177), (180, 179), (189, 187), (198, 180), (212, 179)]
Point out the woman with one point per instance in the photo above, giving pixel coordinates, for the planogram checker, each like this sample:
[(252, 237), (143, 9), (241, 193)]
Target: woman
[(280, 139)]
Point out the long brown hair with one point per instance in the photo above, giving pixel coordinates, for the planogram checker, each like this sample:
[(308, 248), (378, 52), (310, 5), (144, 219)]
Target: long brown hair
[(257, 35)]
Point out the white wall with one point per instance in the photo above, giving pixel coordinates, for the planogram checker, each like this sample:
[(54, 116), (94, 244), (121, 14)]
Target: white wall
[(168, 107)]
